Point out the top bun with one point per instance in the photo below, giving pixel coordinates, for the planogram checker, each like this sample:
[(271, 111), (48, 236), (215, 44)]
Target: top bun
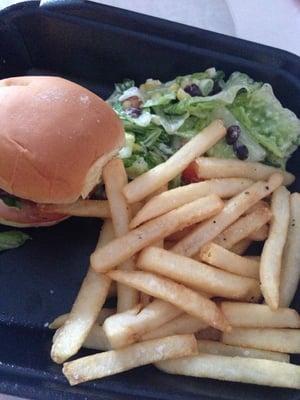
[(55, 137)]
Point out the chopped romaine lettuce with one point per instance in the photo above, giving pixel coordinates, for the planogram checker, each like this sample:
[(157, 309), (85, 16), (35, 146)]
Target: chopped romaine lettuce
[(193, 125), (143, 120), (120, 88), (170, 123), (174, 183), (169, 114), (125, 85), (223, 150), (159, 95), (206, 86), (126, 151), (131, 92), (276, 128), (198, 78), (135, 166), (199, 104)]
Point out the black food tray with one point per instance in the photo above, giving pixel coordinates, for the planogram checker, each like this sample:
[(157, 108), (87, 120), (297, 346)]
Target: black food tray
[(96, 46)]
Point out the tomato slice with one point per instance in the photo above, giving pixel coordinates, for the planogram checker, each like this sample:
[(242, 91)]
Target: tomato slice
[(29, 214), (190, 175)]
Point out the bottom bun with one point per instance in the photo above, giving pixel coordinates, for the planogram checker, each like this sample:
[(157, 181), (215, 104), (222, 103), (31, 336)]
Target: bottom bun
[(32, 224)]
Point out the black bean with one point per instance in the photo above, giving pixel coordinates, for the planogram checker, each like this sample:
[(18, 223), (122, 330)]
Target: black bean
[(232, 134), (193, 90), (241, 151), (134, 112)]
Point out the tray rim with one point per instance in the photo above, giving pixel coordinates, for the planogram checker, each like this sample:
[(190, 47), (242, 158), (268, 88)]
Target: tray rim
[(62, 6), (28, 388)]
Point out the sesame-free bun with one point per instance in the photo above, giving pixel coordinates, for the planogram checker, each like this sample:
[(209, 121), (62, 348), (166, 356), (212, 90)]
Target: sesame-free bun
[(55, 137)]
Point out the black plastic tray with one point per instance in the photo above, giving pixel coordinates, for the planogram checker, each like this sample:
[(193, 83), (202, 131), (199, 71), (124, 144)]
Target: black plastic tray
[(96, 46)]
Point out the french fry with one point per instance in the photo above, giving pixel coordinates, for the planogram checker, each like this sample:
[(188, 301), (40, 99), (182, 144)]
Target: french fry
[(253, 258), (85, 309), (210, 168), (220, 257), (61, 319), (115, 179), (116, 361), (184, 298), (169, 200), (163, 173), (55, 335), (241, 247), (235, 369), (271, 257), (96, 339), (197, 275), (126, 328), (145, 298), (221, 349), (81, 208), (159, 243), (58, 321), (290, 274), (261, 234), (121, 249), (233, 209), (243, 227), (282, 340), (245, 315), (183, 324)]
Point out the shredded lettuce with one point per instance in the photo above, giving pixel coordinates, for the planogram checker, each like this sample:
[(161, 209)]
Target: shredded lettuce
[(12, 239), (11, 201), (168, 116)]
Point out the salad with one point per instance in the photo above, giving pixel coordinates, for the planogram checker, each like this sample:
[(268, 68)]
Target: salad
[(160, 117)]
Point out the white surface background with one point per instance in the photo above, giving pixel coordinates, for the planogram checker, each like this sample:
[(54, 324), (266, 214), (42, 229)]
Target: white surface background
[(272, 22)]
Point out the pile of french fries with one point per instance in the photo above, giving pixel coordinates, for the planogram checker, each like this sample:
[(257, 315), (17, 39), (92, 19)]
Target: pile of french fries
[(189, 298)]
